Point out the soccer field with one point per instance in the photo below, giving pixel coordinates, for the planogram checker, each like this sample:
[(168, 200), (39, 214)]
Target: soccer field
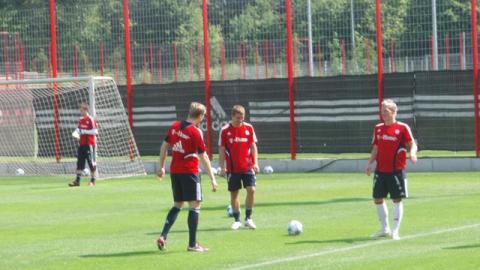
[(45, 225)]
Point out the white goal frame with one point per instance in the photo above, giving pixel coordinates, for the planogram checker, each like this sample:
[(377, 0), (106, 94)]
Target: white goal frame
[(37, 117)]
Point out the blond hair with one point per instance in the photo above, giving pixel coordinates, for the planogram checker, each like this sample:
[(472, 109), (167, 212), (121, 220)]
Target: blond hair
[(196, 110), (238, 109), (390, 105)]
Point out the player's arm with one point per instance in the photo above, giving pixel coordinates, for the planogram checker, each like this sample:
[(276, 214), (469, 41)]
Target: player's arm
[(413, 150), (254, 151), (162, 160), (92, 131), (206, 164), (221, 160), (371, 160)]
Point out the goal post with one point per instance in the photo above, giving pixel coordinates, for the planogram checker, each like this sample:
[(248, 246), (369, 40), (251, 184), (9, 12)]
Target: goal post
[(37, 118)]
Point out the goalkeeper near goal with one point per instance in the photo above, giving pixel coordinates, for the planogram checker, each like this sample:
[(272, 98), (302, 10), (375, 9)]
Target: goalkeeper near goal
[(86, 132)]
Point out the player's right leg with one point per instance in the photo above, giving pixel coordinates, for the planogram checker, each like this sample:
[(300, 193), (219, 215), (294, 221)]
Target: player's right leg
[(380, 192), (81, 159), (234, 185), (193, 217)]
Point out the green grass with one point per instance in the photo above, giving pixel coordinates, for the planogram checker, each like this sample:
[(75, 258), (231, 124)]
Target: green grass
[(421, 154), (45, 225)]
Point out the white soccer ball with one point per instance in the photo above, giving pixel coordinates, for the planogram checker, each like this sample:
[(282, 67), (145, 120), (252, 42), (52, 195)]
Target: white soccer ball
[(214, 170), (86, 172), (19, 172), (268, 169), (230, 211), (295, 227)]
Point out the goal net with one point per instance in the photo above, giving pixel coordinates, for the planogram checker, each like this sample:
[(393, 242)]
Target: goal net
[(37, 118)]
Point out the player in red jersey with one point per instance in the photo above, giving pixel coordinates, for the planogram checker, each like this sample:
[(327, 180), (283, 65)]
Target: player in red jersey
[(186, 142), (86, 133), (238, 151), (390, 142)]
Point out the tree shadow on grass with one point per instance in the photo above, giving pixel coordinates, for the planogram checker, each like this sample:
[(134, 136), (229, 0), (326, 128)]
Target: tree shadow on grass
[(297, 203), (223, 229), (330, 241), (464, 246), (125, 254)]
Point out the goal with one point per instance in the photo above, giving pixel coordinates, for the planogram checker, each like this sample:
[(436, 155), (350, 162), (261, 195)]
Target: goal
[(37, 118)]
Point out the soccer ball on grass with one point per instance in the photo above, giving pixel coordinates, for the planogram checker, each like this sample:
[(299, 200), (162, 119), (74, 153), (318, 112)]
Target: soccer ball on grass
[(295, 227), (19, 172), (268, 170)]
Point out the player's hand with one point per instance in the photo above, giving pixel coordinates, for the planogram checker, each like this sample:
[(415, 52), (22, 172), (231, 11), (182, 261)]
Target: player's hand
[(160, 173), (214, 185), (368, 169), (256, 168), (413, 158), (76, 134), (223, 172)]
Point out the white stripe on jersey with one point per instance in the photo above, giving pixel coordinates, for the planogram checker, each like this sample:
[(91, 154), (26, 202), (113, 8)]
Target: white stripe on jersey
[(253, 130), (408, 129), (221, 131)]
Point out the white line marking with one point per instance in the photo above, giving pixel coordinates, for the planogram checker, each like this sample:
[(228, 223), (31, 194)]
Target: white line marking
[(338, 250)]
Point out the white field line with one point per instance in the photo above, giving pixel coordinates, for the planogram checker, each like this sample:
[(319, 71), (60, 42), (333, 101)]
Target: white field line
[(338, 250)]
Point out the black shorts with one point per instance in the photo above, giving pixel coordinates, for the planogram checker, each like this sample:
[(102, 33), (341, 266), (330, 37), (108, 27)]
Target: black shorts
[(186, 187), (394, 183), (87, 153), (235, 180)]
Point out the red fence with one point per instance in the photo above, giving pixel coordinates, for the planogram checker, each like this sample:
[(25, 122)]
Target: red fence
[(247, 40)]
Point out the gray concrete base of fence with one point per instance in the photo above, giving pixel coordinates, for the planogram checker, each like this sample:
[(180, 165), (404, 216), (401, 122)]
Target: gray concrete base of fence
[(358, 165)]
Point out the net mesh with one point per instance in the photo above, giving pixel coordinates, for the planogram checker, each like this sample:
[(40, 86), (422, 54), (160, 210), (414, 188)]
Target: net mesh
[(38, 141)]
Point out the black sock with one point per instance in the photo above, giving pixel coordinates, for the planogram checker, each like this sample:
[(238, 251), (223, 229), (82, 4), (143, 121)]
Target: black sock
[(248, 213), (171, 217), (77, 178), (192, 226), (236, 215), (93, 179)]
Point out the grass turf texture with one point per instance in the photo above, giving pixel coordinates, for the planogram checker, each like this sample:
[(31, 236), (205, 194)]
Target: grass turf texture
[(45, 225)]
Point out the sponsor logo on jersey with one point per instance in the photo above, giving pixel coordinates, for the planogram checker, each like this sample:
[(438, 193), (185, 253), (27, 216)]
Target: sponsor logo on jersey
[(178, 147), (180, 134), (385, 137), (397, 131)]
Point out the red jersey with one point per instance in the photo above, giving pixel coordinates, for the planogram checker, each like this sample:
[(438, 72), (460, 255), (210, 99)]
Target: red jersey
[(237, 141), (187, 142), (87, 123), (392, 142)]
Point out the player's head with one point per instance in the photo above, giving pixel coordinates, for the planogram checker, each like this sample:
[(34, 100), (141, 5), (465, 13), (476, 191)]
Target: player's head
[(84, 109), (197, 112), (238, 114), (389, 110)]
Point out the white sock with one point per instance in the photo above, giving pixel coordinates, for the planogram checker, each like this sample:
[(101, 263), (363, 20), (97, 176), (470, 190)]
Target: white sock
[(397, 215), (382, 212)]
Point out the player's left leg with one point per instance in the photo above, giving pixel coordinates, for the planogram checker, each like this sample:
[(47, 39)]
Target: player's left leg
[(398, 192), (249, 182), (92, 164)]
